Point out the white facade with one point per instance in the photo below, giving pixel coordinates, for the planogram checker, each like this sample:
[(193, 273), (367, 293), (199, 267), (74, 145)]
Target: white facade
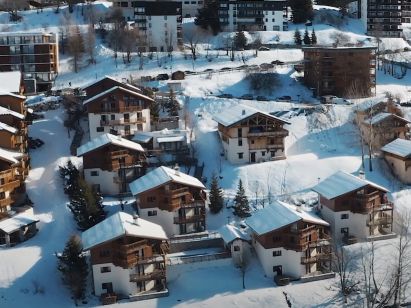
[(399, 168), (239, 249), (162, 32), (274, 21), (190, 7), (119, 278), (107, 180), (118, 124)]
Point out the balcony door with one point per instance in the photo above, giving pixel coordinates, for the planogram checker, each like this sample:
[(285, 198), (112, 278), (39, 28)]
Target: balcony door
[(252, 157)]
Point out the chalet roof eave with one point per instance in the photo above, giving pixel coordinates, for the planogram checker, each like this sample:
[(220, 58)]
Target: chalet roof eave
[(101, 94), (252, 115)]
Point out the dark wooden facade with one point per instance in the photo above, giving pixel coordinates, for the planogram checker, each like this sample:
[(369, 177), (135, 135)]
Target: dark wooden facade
[(344, 72), (105, 84)]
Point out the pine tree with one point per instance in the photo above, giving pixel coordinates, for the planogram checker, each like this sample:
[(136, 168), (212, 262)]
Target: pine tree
[(207, 17), (241, 206), (240, 41), (70, 175), (307, 40), (73, 266), (216, 196), (313, 38), (297, 37), (86, 206), (172, 106), (302, 10)]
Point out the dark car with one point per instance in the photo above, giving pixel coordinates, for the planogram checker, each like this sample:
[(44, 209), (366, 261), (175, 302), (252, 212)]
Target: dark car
[(163, 77), (285, 98), (225, 95), (247, 96), (261, 98)]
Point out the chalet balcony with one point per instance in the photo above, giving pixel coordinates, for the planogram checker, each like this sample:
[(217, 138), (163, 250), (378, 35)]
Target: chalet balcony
[(193, 204), (140, 120), (9, 186), (189, 219), (119, 109), (6, 202), (155, 275), (320, 257), (177, 193), (133, 247), (384, 220), (303, 232), (132, 260), (267, 133)]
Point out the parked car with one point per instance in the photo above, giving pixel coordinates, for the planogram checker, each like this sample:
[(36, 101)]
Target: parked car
[(263, 48), (262, 98), (277, 62), (295, 112), (163, 77), (332, 99), (247, 96), (225, 95), (225, 69), (285, 98)]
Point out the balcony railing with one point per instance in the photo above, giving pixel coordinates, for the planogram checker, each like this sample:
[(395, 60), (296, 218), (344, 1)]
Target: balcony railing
[(176, 193), (6, 202), (189, 219), (264, 133), (317, 258), (156, 274), (139, 120), (384, 220), (9, 186), (133, 247)]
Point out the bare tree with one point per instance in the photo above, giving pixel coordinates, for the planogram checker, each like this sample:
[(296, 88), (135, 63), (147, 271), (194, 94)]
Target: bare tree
[(258, 42), (90, 43), (129, 39), (76, 46), (193, 37), (244, 263)]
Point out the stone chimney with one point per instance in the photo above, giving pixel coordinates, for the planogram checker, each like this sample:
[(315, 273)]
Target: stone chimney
[(177, 170), (135, 219), (362, 174), (298, 208)]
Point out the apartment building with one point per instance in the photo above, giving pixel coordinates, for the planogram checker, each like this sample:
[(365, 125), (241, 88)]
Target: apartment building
[(116, 108), (174, 200), (340, 71), (111, 162), (127, 257), (290, 241), (406, 11), (355, 208), (266, 15), (35, 55), (159, 23), (398, 156), (249, 135)]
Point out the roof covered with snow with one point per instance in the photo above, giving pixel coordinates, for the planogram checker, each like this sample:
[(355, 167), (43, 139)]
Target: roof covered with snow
[(240, 112), (161, 176), (7, 111), (90, 84), (176, 134), (370, 104), (279, 215), (114, 89), (230, 233), (382, 116), (341, 183), (120, 224), (10, 156), (10, 129), (399, 147), (14, 223), (10, 82), (106, 139)]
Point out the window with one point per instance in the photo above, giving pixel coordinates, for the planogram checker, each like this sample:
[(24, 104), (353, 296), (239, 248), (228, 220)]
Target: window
[(344, 216), (112, 117), (93, 173), (2, 195), (276, 28), (151, 199), (152, 213), (236, 248), (108, 286), (262, 153), (193, 2), (276, 253), (186, 2), (104, 253), (239, 132), (165, 17), (276, 238), (240, 142), (105, 269), (344, 230), (266, 20), (273, 20), (240, 155)]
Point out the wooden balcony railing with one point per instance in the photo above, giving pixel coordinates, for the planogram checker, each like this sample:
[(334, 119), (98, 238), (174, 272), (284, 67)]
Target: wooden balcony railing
[(317, 258), (9, 186), (189, 219), (6, 202), (133, 247), (263, 133), (139, 120), (384, 220), (154, 275), (176, 193)]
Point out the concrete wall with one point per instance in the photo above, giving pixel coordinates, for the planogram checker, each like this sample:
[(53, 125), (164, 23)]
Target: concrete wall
[(163, 218), (119, 277), (105, 179)]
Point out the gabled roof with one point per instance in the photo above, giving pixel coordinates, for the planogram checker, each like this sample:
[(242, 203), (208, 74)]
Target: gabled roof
[(118, 225), (382, 116), (10, 156), (14, 223), (279, 215), (240, 112), (114, 89), (4, 111), (399, 147), (341, 183), (161, 135), (10, 81), (10, 129), (230, 233), (90, 84), (161, 176), (106, 139)]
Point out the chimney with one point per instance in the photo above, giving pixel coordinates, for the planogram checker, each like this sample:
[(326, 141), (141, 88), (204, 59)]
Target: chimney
[(243, 112), (177, 170), (361, 175), (135, 219), (298, 208)]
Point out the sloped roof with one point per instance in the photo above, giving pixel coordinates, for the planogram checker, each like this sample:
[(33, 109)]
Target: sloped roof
[(106, 139), (145, 137), (240, 112), (382, 116), (341, 183), (14, 223), (90, 84), (230, 233), (10, 156), (279, 215), (160, 176), (113, 89), (10, 81), (400, 147), (11, 129), (120, 224), (7, 111)]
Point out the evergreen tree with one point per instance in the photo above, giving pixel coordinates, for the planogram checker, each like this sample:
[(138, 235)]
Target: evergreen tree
[(297, 37), (216, 196), (86, 206), (241, 206), (240, 41), (73, 266), (155, 109), (207, 17), (307, 39), (302, 10), (172, 106), (313, 38), (70, 175)]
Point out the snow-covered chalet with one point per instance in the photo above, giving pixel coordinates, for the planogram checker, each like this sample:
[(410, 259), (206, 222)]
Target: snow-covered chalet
[(398, 156)]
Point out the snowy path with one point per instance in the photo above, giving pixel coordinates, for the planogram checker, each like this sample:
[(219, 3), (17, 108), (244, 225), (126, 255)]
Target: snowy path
[(33, 262)]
